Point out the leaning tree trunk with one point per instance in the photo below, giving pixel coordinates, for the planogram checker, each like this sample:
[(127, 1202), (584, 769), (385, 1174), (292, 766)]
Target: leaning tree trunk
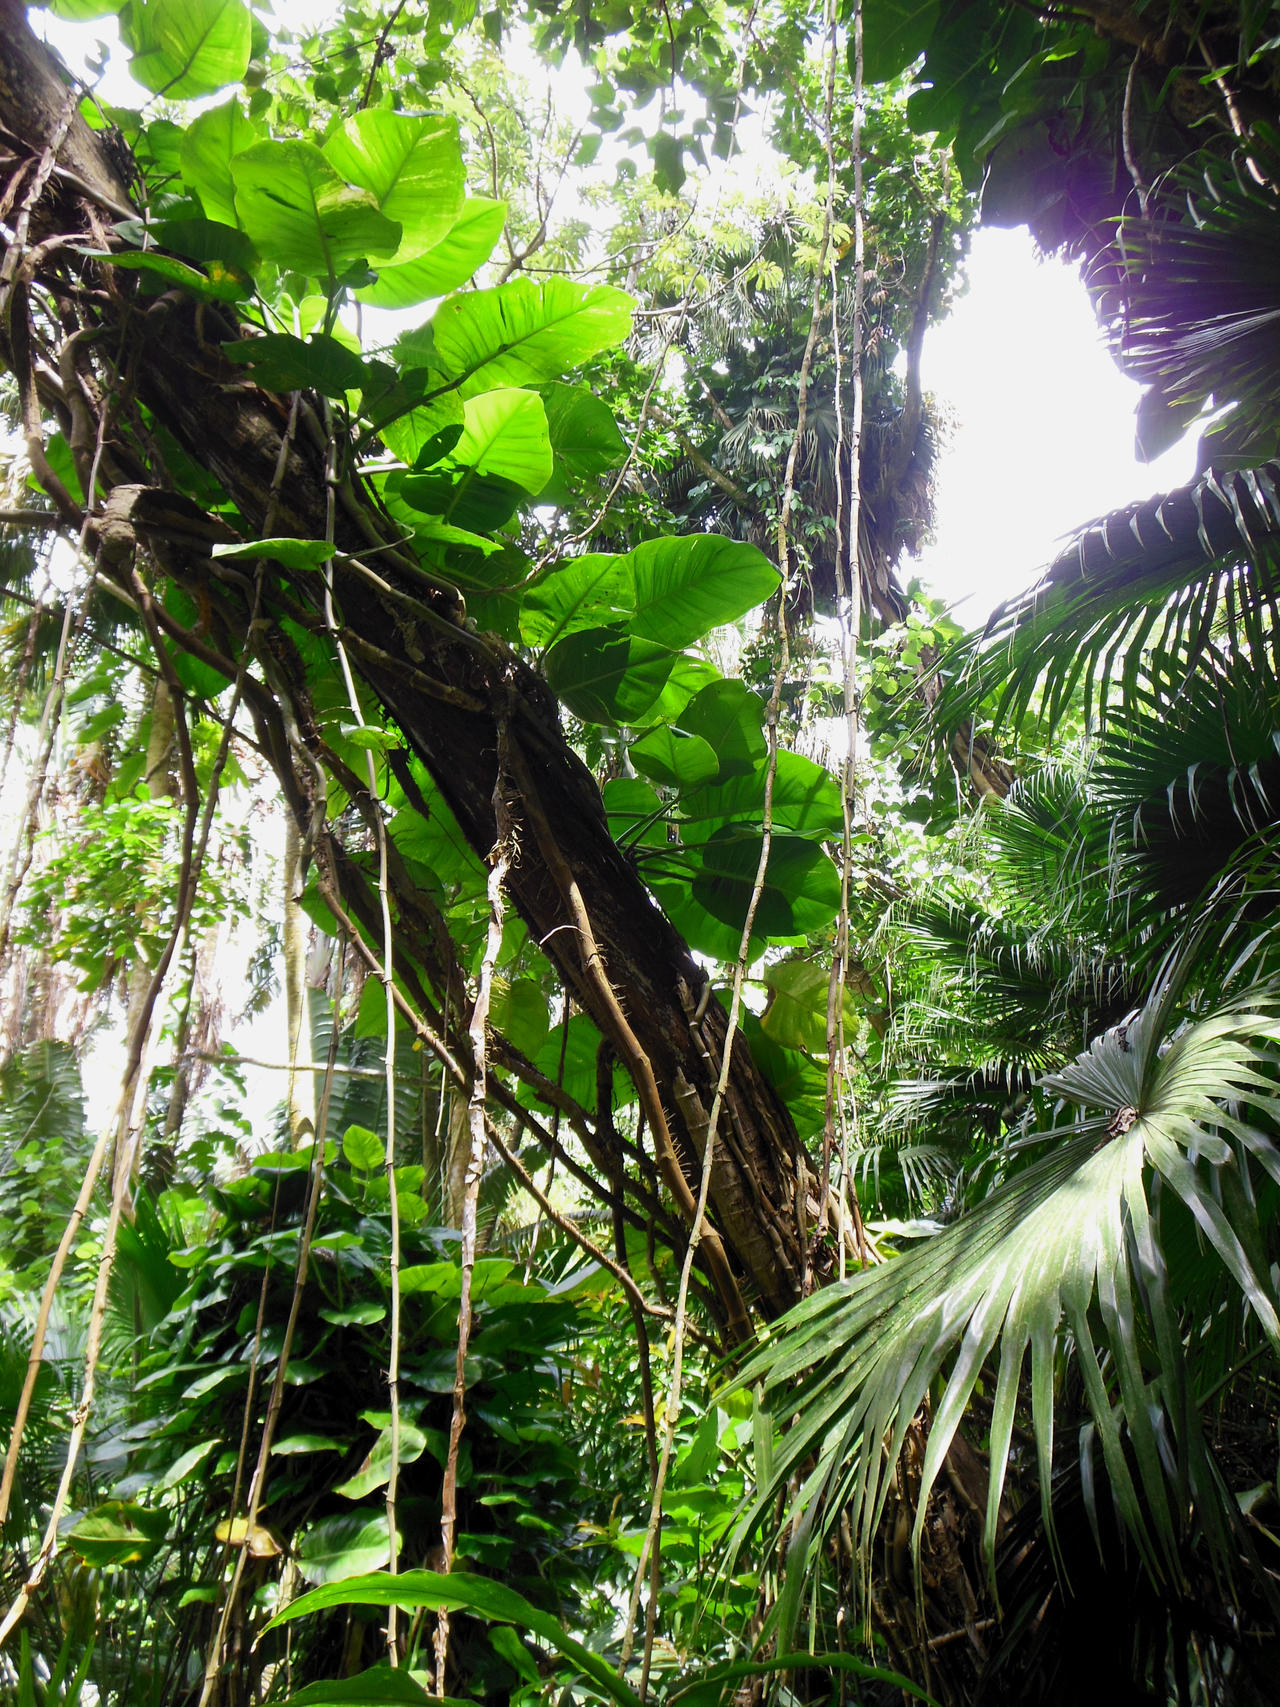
[(457, 696)]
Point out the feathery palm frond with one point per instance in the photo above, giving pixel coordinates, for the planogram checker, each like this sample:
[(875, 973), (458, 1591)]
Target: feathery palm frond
[(1164, 575), (1067, 1261)]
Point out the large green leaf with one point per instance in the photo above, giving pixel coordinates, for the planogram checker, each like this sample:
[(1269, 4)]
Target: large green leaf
[(806, 800), (461, 1592), (606, 675), (118, 1533), (380, 1686), (713, 1688), (730, 719), (801, 892), (281, 362), (584, 434), (504, 432), (585, 592), (80, 11), (521, 332), (796, 1016), (216, 285), (466, 246), (686, 587), (209, 144), (411, 166), (375, 1471), (185, 48), (894, 35), (674, 591), (338, 1548), (302, 215), (681, 761), (518, 1009), (636, 815), (800, 895)]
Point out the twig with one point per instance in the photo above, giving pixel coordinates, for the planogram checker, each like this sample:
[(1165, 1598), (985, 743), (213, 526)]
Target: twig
[(499, 859), (379, 54), (849, 604)]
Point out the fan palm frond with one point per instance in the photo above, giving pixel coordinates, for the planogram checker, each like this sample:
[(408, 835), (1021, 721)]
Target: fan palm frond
[(1065, 1261), (1187, 781), (1200, 317)]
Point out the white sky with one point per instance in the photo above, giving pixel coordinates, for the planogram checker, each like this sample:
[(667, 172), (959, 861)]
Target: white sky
[(1044, 426)]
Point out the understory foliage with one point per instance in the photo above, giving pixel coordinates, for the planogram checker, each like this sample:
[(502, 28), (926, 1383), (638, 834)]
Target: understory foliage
[(763, 1176)]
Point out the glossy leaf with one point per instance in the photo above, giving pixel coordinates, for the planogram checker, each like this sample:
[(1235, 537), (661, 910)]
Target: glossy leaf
[(185, 48), (796, 1015), (505, 433), (686, 587), (375, 1471), (895, 34), (410, 165), (209, 144), (281, 362), (465, 247), (518, 1009), (302, 216), (730, 719), (380, 1686), (674, 591), (207, 240), (806, 800), (801, 892), (584, 434), (586, 592), (521, 332), (461, 1592), (606, 675), (216, 284), (636, 813), (681, 761), (362, 1148), (119, 1532), (289, 553), (341, 1547)]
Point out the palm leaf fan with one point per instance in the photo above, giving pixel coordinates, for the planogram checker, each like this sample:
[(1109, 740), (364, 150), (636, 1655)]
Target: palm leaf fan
[(1065, 1262), (1199, 316)]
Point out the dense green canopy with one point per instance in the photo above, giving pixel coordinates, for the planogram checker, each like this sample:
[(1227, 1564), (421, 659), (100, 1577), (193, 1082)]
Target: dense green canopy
[(774, 1189)]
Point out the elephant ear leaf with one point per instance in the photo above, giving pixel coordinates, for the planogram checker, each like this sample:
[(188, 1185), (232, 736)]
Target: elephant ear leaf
[(186, 48), (410, 165), (302, 216), (520, 332)]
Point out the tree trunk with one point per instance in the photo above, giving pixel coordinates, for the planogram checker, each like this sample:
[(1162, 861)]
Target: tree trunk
[(450, 691)]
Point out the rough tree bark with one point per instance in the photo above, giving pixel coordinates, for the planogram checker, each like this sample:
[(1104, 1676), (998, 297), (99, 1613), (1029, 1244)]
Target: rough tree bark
[(86, 350)]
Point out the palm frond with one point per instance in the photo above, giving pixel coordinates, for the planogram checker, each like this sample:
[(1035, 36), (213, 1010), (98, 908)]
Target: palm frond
[(1065, 1262), (1165, 575), (1199, 320), (1187, 779)]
